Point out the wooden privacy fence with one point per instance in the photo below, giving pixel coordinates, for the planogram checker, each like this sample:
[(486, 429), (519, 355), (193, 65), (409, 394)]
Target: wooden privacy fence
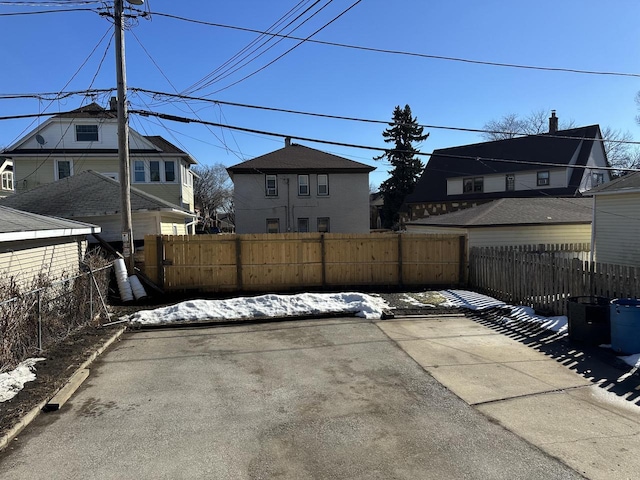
[(545, 278), (294, 261)]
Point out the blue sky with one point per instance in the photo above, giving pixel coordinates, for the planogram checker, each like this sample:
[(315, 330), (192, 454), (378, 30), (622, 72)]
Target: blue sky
[(42, 52)]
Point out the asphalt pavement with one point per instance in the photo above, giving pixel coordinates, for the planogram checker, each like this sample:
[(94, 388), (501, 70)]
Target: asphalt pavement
[(325, 399)]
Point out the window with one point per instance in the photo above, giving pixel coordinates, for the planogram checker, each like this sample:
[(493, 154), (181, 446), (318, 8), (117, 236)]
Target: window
[(187, 176), (273, 225), (323, 224), (543, 178), (303, 225), (112, 175), (169, 171), (473, 185), (323, 185), (597, 179), (154, 171), (303, 185), (7, 180), (510, 181), (271, 185), (64, 169), (86, 133), (138, 171)]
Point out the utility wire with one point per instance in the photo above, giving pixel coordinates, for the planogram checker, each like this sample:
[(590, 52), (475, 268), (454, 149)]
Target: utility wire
[(365, 120), (365, 147), (289, 50), (405, 53), (15, 14)]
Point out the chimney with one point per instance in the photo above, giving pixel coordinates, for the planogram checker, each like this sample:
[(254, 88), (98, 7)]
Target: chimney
[(113, 104), (553, 123), (287, 141)]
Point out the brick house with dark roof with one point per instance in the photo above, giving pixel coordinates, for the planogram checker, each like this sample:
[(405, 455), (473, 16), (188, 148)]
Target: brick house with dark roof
[(564, 163), (86, 139), (301, 189)]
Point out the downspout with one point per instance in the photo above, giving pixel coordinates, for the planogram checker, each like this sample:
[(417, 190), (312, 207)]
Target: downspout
[(593, 231)]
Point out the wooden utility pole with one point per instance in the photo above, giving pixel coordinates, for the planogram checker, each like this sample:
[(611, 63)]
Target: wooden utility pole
[(123, 140)]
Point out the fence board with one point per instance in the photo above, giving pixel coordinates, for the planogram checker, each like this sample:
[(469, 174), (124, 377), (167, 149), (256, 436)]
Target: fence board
[(545, 276), (295, 261)]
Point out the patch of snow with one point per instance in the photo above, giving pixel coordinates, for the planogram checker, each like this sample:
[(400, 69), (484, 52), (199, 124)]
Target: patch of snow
[(470, 300), (12, 382), (527, 314), (412, 300), (633, 360), (367, 306)]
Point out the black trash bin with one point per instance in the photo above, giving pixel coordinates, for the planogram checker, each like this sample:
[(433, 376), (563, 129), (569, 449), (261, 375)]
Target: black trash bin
[(589, 320)]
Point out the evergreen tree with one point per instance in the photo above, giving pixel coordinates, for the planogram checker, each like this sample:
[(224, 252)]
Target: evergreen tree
[(403, 132)]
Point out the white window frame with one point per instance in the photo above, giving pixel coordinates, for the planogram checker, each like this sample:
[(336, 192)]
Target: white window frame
[(324, 184), (271, 191), (164, 171), (56, 168), (113, 175), (145, 171), (475, 182), (7, 180), (543, 178), (597, 178), (97, 132), (510, 181), (303, 185)]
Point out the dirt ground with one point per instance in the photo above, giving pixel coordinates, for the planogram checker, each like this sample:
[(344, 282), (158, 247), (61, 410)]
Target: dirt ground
[(63, 359)]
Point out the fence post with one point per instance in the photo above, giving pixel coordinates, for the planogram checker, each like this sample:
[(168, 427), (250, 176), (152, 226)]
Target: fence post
[(39, 321), (323, 260), (461, 267), (160, 260), (90, 280), (400, 280), (238, 262)]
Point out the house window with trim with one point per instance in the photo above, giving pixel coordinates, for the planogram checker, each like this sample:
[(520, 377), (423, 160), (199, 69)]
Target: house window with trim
[(471, 185), (303, 225), (510, 182), (273, 225), (7, 180), (323, 224), (303, 185), (154, 171), (271, 185), (597, 179), (86, 133), (323, 185), (543, 179), (64, 169), (170, 171), (139, 174)]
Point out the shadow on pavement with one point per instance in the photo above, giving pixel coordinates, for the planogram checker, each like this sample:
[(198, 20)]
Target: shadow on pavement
[(599, 365)]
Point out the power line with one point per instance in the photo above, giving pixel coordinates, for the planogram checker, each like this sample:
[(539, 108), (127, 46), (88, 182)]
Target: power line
[(405, 53), (365, 147), (289, 50), (367, 120), (15, 14)]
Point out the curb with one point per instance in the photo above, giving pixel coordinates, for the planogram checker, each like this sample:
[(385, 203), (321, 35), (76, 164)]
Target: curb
[(35, 411)]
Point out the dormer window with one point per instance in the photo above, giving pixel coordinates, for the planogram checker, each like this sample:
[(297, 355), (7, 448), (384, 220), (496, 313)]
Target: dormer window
[(597, 179), (86, 133), (473, 185)]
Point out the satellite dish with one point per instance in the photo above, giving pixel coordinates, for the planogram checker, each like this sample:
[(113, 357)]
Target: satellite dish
[(40, 139)]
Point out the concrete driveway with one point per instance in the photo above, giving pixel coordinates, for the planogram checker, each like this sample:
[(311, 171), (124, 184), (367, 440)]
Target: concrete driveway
[(329, 399)]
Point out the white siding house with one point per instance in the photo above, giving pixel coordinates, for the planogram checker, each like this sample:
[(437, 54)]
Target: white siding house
[(515, 221), (300, 189), (616, 221), (35, 245)]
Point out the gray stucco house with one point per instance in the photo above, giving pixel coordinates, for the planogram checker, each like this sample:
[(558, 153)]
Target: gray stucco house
[(300, 189)]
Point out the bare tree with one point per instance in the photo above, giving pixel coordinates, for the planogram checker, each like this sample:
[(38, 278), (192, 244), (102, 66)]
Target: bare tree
[(212, 190), (513, 125), (620, 153)]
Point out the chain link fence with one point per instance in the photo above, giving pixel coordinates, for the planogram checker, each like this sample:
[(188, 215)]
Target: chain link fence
[(33, 320)]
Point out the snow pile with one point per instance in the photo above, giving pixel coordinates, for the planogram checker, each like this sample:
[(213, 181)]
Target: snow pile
[(12, 382), (470, 300), (633, 360), (367, 306)]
